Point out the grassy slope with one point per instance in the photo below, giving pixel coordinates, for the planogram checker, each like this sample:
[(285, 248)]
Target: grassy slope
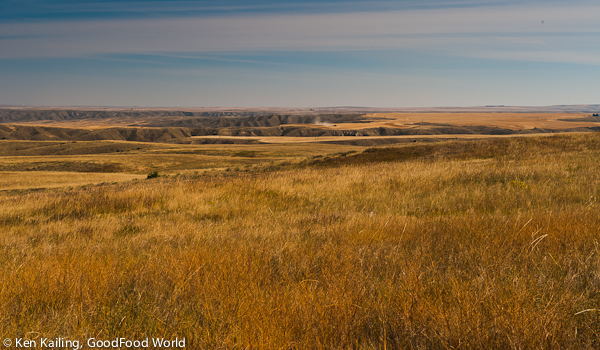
[(479, 244), (45, 164)]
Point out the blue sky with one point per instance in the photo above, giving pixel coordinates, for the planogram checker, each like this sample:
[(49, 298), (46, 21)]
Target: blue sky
[(292, 53)]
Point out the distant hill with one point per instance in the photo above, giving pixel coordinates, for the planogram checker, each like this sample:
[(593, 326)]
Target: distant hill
[(165, 118), (180, 125), (249, 117), (43, 133), (185, 135)]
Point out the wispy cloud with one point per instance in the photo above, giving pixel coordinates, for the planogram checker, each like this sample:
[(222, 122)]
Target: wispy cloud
[(293, 52), (517, 31), (65, 9)]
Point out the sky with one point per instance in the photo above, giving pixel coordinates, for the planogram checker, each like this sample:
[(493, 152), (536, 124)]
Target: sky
[(292, 53)]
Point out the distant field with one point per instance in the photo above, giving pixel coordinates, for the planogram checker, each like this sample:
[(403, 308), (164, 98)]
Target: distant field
[(513, 121), (48, 164), (375, 139), (41, 162), (56, 179)]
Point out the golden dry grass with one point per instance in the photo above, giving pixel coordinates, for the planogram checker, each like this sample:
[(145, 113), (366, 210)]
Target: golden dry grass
[(481, 244), (514, 121), (320, 139), (41, 159), (19, 180), (506, 120)]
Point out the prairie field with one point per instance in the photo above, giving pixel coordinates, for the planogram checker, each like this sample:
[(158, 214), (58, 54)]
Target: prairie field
[(453, 244)]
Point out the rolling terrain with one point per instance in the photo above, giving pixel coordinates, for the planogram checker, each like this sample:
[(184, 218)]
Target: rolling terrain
[(370, 230), (483, 243), (178, 126)]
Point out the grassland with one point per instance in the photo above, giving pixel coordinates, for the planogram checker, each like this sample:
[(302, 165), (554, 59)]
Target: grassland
[(46, 164), (476, 244), (18, 180)]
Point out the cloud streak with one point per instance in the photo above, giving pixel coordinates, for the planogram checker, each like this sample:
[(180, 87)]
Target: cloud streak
[(515, 31), (276, 52), (186, 8)]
